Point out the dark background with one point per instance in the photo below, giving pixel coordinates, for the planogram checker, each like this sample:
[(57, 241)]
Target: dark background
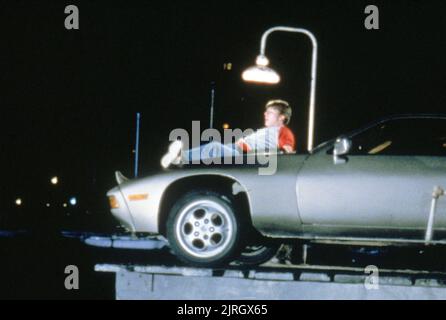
[(69, 97)]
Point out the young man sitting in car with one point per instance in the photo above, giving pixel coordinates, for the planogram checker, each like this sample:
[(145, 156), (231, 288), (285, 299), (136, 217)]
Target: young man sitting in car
[(274, 136)]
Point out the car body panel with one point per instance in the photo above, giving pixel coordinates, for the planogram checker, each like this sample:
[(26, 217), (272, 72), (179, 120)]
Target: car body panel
[(122, 213), (370, 194), (262, 201), (370, 197)]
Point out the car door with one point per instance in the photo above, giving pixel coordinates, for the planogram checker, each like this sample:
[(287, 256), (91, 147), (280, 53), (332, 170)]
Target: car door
[(385, 183)]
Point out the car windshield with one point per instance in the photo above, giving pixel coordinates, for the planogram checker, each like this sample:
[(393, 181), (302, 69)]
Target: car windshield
[(410, 136)]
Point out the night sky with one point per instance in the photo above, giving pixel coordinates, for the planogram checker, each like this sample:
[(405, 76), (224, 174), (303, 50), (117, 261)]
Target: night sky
[(69, 97)]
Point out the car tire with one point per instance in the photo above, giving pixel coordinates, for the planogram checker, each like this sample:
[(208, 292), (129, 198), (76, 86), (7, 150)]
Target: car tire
[(257, 254), (203, 229)]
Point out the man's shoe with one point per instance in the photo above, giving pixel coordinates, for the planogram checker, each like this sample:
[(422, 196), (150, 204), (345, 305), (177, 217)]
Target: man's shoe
[(173, 156)]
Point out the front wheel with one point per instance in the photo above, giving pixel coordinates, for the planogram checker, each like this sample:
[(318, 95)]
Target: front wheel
[(203, 229)]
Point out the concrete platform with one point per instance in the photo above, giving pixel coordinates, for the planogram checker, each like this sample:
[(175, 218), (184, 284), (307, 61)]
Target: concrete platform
[(183, 283)]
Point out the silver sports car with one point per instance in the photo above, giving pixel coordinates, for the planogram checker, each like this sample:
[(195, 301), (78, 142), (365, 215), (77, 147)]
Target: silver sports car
[(380, 185)]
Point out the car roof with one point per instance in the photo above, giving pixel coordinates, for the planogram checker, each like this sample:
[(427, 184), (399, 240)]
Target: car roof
[(437, 116), (413, 116), (441, 116)]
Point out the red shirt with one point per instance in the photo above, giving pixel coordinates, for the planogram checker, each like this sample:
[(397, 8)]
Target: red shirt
[(286, 138)]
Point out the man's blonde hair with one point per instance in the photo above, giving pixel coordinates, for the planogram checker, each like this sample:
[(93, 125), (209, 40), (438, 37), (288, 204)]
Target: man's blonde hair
[(282, 106)]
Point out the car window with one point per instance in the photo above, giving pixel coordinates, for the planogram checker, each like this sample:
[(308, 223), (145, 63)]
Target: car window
[(402, 137)]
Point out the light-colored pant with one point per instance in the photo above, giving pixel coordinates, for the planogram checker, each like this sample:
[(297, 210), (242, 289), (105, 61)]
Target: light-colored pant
[(211, 150)]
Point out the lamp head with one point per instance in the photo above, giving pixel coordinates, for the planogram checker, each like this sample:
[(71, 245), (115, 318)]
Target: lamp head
[(260, 73)]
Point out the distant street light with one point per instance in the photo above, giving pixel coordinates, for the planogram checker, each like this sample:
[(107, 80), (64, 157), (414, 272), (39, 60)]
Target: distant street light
[(73, 201), (261, 73), (227, 66), (18, 202), (54, 180)]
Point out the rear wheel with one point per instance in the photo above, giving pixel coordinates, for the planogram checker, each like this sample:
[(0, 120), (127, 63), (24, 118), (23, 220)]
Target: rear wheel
[(203, 229), (258, 253), (257, 248)]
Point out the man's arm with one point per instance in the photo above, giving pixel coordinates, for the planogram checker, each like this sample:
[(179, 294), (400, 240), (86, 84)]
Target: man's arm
[(287, 141), (242, 145), (288, 149)]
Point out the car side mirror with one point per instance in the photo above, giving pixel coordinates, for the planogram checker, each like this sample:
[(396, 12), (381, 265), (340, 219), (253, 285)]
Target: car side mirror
[(342, 147)]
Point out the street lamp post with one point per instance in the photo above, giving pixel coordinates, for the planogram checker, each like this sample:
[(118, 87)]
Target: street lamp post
[(138, 120), (262, 74)]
